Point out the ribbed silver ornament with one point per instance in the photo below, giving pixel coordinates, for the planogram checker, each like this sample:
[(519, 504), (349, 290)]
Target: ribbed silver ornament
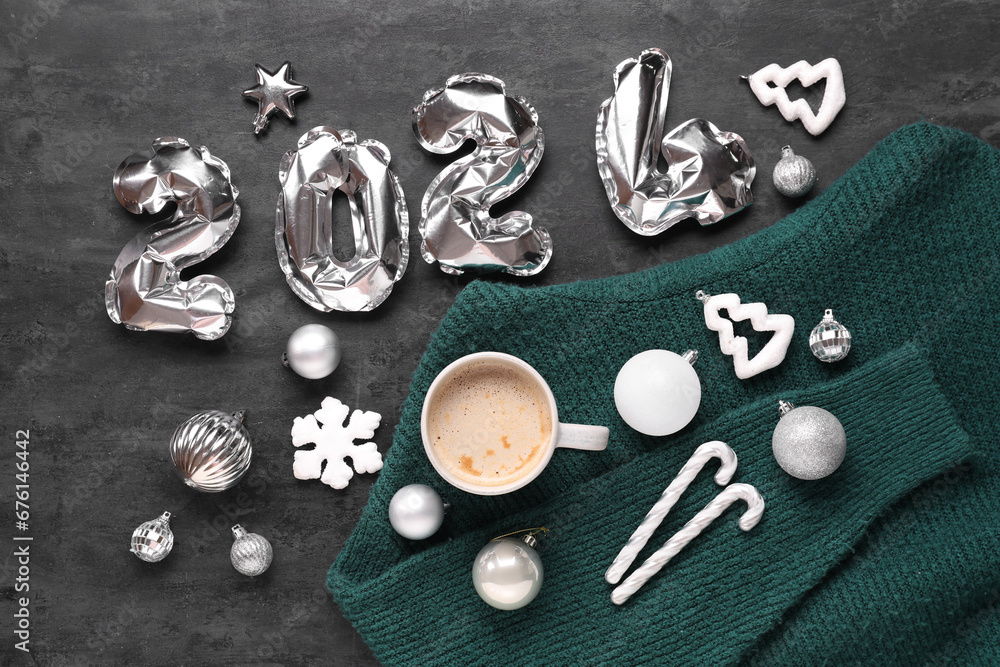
[(153, 540), (211, 451), (251, 554)]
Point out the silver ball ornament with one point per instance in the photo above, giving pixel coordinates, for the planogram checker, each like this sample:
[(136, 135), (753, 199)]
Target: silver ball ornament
[(211, 451), (830, 340), (507, 573), (153, 540), (808, 442), (313, 351), (794, 175), (251, 554), (416, 511)]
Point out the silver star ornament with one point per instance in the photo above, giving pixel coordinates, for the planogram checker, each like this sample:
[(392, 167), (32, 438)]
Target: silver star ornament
[(273, 92)]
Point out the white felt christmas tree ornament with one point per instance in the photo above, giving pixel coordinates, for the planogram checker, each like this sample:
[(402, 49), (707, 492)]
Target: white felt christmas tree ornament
[(334, 443), (833, 98), (735, 346)]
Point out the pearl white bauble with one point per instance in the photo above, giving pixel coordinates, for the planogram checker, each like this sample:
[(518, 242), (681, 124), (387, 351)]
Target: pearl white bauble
[(657, 392), (808, 442), (416, 511), (313, 351), (507, 573)]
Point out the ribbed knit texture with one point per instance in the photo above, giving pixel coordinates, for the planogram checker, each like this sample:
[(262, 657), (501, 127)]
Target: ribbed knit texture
[(894, 559)]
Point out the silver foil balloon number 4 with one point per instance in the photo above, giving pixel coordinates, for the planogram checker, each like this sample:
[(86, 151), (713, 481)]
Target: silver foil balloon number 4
[(457, 230), (328, 161), (709, 171), (145, 291)]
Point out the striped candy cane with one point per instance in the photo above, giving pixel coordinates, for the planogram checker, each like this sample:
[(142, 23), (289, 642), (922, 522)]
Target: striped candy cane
[(691, 529), (702, 455)]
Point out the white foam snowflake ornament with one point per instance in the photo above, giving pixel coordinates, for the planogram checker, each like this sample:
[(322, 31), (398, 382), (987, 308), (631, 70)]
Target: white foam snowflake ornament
[(335, 443)]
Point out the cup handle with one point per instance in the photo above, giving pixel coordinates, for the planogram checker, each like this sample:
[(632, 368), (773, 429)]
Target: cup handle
[(583, 436)]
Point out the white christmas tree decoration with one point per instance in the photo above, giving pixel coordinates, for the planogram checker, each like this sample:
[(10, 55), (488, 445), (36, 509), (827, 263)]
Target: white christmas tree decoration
[(833, 97), (735, 346), (334, 443)]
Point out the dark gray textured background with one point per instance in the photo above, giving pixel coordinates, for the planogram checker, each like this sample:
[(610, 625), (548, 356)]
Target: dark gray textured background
[(84, 84)]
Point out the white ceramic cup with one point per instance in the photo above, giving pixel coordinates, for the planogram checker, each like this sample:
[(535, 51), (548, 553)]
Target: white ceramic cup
[(572, 436)]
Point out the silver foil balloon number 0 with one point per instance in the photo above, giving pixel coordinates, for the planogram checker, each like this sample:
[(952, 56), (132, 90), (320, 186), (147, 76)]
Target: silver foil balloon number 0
[(144, 291), (328, 161), (708, 174), (458, 232)]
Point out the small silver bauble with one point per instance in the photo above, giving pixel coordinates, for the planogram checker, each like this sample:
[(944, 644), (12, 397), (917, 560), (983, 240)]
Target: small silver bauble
[(313, 351), (507, 573), (251, 554), (211, 451), (657, 392), (808, 442), (153, 540), (830, 340), (416, 511), (794, 175)]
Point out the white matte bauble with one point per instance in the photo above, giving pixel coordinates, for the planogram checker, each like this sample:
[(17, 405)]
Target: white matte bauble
[(657, 392), (507, 573), (313, 351), (416, 511)]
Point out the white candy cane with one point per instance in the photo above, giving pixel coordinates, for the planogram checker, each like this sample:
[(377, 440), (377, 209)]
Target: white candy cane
[(702, 455), (691, 529)]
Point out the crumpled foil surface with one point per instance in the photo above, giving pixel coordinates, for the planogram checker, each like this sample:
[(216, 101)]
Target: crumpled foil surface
[(457, 230), (144, 291), (708, 172), (328, 161)]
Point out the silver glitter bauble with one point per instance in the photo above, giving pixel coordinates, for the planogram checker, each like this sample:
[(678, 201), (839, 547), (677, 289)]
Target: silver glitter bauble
[(251, 554), (507, 573), (808, 442), (313, 351), (794, 175), (416, 511), (153, 540), (211, 451), (830, 340)]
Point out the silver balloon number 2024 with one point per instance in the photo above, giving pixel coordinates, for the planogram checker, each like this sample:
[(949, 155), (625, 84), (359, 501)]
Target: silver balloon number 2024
[(457, 230), (328, 161), (708, 173), (144, 291)]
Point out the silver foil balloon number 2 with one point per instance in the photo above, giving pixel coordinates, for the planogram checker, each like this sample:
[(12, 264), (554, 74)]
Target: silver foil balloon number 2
[(708, 173), (457, 230), (328, 161), (144, 291)]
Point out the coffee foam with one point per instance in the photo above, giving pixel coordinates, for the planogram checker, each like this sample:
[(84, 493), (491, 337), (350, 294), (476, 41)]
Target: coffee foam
[(490, 423)]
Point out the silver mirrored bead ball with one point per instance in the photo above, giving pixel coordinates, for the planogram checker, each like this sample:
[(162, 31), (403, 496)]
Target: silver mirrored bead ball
[(794, 175), (153, 540), (507, 573), (830, 340)]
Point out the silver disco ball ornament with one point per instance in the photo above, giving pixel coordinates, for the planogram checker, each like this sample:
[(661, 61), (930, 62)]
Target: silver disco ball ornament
[(830, 340), (794, 175), (251, 554), (153, 540), (211, 451)]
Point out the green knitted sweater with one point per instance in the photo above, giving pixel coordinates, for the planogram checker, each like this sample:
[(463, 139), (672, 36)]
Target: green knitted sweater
[(891, 560)]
